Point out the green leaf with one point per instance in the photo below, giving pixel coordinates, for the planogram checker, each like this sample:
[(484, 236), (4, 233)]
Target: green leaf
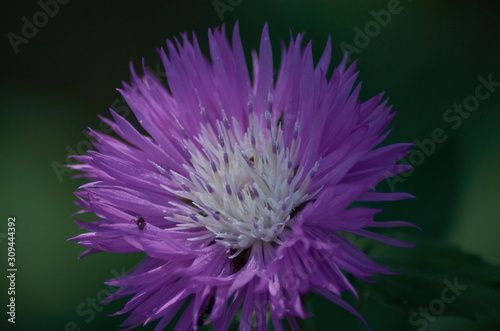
[(436, 280)]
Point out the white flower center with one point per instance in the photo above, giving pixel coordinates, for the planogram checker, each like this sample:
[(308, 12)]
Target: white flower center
[(242, 186)]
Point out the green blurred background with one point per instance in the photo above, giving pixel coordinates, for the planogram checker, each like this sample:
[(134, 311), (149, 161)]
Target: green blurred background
[(427, 58)]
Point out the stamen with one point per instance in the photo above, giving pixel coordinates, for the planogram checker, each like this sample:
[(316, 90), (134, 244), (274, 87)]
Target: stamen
[(212, 164), (255, 192), (240, 196), (185, 187), (167, 213), (228, 188), (245, 157), (296, 130), (186, 152), (268, 120), (184, 134), (209, 189), (250, 107), (202, 109), (160, 169), (269, 103), (220, 136), (241, 187), (314, 170), (203, 113), (224, 119)]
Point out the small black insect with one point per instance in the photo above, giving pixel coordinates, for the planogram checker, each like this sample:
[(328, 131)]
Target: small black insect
[(239, 261), (205, 313), (141, 223), (295, 211)]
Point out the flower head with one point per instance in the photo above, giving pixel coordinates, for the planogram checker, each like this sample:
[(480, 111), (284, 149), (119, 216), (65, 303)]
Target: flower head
[(239, 187)]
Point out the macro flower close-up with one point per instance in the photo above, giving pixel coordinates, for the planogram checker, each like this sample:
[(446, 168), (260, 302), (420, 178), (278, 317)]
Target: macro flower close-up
[(250, 165), (240, 186)]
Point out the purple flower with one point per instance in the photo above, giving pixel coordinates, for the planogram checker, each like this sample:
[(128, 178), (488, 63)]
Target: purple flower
[(239, 188)]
